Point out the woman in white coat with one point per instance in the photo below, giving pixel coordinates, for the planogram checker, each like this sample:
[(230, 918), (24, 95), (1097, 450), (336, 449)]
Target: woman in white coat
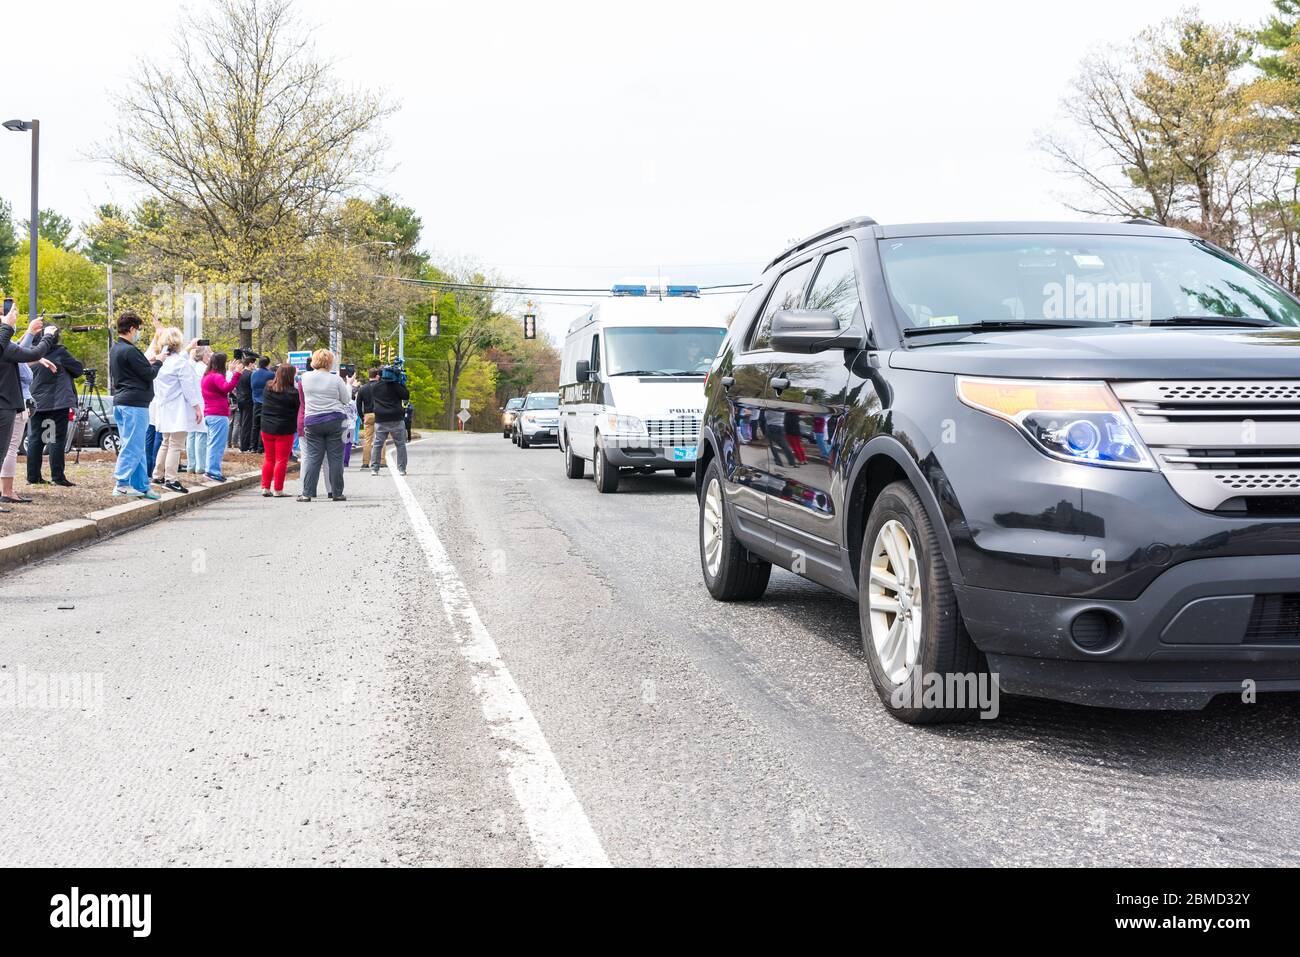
[(177, 408)]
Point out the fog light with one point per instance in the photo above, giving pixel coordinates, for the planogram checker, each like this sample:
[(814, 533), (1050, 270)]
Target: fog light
[(1094, 630)]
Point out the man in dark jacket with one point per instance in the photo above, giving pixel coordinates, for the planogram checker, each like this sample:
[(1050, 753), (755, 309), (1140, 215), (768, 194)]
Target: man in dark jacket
[(11, 390), (133, 377), (54, 393), (388, 397), (244, 414)]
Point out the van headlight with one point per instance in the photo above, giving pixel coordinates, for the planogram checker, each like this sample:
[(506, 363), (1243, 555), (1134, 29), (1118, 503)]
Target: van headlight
[(624, 423), (1074, 421)]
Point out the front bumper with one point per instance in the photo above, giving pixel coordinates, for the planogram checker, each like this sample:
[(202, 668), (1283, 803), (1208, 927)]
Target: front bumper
[(678, 457), (534, 432), (1198, 630)]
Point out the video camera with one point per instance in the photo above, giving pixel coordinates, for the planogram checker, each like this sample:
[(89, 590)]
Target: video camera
[(395, 372), (247, 356)]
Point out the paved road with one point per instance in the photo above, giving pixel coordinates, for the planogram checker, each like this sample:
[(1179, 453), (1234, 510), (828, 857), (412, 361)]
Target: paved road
[(288, 684)]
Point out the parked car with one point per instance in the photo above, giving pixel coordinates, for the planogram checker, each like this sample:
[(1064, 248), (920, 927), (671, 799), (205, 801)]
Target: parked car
[(508, 414), (97, 429), (538, 419), (1066, 455)]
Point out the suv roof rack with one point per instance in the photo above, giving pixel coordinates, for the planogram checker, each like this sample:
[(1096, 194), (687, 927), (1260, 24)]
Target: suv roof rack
[(826, 233)]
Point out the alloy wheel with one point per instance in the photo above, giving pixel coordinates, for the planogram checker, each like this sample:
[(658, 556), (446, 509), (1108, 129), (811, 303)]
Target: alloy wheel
[(895, 596)]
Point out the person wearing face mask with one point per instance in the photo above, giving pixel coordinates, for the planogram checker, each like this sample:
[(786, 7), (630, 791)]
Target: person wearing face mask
[(12, 403), (133, 374)]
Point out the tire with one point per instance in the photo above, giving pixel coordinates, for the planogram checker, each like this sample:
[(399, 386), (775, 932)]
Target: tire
[(684, 473), (939, 643), (574, 465), (505, 433), (606, 474), (523, 441), (107, 441), (731, 572)]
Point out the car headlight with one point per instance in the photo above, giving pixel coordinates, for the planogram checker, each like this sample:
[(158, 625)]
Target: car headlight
[(624, 423), (1075, 421)]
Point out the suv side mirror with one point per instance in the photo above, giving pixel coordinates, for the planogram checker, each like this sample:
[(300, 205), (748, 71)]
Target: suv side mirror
[(584, 370), (812, 330)]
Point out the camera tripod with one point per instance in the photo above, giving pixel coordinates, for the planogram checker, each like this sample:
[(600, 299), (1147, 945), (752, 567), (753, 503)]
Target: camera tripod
[(89, 393)]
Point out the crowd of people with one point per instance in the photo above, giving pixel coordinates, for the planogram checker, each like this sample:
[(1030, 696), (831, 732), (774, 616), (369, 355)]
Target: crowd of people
[(174, 416)]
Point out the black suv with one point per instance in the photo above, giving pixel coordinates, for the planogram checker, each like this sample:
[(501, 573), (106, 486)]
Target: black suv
[(1064, 456)]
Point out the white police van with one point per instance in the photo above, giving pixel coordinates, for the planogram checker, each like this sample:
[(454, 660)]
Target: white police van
[(632, 382)]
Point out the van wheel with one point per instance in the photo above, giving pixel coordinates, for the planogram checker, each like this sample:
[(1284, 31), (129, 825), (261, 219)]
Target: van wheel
[(574, 466), (731, 572), (912, 632), (606, 474)]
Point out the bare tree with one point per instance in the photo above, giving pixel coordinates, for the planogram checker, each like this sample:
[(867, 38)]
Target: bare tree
[(249, 140)]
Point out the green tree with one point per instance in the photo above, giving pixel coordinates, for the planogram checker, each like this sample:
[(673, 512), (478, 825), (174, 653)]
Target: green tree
[(54, 227), (108, 235), (8, 238)]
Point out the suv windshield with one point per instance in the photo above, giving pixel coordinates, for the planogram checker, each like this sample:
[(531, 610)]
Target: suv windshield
[(514, 404), (940, 281), (661, 350), (542, 402)]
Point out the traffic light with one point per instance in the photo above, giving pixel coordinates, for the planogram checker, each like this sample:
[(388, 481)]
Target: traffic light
[(530, 326), (433, 325)]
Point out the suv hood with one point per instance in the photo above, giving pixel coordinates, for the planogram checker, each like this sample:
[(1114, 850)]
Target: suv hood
[(1143, 352)]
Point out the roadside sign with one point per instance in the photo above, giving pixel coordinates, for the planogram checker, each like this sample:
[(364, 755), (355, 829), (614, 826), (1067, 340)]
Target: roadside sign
[(300, 360), (463, 416), (464, 403)]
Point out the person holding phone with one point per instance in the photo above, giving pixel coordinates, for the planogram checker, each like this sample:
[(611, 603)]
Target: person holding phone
[(217, 386), (177, 408), (133, 373), (54, 393), (12, 403)]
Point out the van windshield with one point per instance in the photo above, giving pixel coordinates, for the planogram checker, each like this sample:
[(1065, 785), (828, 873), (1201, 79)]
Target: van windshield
[(661, 350), (1078, 279)]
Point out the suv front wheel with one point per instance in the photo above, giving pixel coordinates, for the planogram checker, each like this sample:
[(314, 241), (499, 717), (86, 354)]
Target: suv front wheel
[(731, 573), (912, 632)]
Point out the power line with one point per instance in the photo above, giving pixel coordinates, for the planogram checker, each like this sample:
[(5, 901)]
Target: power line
[(533, 290)]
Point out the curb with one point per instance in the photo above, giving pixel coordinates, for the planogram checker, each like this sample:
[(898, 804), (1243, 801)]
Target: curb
[(24, 547)]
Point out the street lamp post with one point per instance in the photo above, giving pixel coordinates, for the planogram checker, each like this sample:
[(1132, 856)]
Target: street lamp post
[(34, 127)]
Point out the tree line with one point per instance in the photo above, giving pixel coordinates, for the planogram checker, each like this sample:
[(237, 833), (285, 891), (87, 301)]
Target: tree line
[(1194, 124), (255, 166)]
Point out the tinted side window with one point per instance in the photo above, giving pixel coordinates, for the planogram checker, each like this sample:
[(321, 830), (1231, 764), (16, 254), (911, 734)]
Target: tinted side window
[(594, 362), (786, 295), (836, 287)]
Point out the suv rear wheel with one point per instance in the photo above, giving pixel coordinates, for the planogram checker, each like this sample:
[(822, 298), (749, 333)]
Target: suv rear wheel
[(912, 632), (606, 474), (731, 573)]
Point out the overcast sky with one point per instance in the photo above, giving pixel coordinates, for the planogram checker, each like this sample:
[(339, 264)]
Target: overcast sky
[(573, 144)]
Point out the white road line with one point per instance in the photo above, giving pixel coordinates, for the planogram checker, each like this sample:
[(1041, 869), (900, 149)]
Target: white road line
[(561, 833)]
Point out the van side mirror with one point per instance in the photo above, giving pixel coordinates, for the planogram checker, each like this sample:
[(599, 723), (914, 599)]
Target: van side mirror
[(808, 331), (584, 370)]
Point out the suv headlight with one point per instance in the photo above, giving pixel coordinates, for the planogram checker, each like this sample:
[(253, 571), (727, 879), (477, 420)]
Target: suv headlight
[(624, 423), (1075, 421)]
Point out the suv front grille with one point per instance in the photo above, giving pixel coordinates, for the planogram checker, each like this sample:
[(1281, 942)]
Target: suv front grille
[(1274, 618), (683, 430), (1223, 445)]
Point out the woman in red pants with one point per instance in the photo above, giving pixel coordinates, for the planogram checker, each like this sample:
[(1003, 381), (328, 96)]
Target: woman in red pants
[(279, 422)]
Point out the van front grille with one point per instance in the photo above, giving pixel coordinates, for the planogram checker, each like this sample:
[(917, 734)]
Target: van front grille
[(1220, 442), (682, 430)]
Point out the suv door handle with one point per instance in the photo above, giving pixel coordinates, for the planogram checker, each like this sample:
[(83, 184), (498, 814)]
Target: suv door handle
[(779, 384), (728, 381)]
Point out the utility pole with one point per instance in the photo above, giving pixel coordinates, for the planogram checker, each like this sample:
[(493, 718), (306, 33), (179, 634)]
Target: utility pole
[(108, 356), (401, 338), (36, 213)]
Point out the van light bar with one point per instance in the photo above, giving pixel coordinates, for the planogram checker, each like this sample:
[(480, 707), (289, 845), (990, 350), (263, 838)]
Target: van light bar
[(623, 289)]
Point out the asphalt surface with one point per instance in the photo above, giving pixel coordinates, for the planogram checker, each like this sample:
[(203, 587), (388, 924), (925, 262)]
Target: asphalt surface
[(282, 684)]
